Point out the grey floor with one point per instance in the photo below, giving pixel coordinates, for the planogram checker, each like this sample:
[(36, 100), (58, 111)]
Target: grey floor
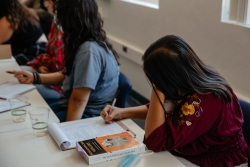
[(131, 102)]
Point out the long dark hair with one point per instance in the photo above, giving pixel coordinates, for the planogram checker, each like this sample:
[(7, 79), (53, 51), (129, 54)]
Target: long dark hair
[(17, 14), (173, 67), (81, 22)]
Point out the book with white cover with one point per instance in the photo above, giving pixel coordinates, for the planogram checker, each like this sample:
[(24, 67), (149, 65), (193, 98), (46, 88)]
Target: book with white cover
[(109, 147), (67, 136), (8, 90)]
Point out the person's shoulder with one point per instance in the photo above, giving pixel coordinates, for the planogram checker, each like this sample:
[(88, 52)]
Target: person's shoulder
[(207, 100), (86, 50), (211, 99), (198, 105), (92, 47), (89, 44)]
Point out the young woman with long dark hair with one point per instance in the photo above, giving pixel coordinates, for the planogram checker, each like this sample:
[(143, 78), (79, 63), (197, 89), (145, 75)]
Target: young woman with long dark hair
[(193, 111), (20, 28), (90, 76)]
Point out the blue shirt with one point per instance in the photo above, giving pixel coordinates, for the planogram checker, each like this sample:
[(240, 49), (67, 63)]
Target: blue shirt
[(93, 68)]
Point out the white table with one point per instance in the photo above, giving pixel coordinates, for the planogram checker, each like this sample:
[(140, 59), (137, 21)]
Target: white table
[(35, 99), (22, 149)]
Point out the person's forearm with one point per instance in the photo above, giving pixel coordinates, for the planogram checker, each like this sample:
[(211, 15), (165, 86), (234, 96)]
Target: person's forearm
[(156, 114), (139, 112), (52, 78)]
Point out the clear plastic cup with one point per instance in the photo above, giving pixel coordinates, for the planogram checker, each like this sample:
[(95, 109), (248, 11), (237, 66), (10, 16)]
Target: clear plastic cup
[(18, 106), (39, 117)]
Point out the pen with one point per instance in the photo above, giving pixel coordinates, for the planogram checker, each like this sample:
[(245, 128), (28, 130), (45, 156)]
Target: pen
[(11, 72), (113, 103)]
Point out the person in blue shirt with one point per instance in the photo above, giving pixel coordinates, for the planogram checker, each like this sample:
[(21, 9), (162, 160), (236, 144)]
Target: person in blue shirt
[(91, 70)]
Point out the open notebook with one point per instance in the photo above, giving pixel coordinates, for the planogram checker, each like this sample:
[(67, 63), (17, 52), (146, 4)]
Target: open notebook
[(10, 89), (67, 136)]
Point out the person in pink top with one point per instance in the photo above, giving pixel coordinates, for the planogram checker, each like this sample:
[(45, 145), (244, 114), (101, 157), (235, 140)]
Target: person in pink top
[(193, 111)]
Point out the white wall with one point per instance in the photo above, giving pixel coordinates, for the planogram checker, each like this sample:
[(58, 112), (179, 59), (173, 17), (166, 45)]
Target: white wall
[(225, 47)]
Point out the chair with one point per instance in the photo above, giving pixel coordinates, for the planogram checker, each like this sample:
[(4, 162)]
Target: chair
[(124, 88), (245, 106)]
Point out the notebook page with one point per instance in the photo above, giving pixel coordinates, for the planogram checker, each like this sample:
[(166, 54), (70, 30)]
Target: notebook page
[(88, 130)]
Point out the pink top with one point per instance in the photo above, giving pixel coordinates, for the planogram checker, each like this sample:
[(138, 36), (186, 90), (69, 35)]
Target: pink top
[(205, 131)]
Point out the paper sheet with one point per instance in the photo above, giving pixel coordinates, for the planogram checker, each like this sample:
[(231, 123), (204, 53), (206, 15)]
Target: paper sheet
[(5, 106), (11, 89), (69, 135)]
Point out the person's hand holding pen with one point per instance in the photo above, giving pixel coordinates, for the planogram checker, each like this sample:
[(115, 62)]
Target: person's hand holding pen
[(114, 116), (111, 107), (23, 77)]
